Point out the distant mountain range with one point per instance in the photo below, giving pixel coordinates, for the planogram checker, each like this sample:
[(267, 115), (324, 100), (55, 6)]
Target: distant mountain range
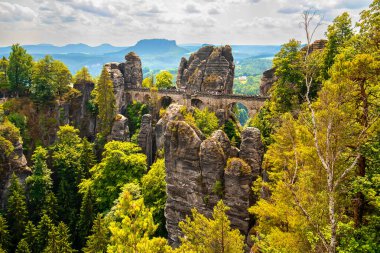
[(155, 53)]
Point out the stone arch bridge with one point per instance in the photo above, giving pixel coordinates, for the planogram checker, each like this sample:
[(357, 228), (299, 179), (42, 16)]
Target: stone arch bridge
[(198, 99)]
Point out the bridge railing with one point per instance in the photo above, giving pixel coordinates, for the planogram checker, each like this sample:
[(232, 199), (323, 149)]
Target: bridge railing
[(201, 94)]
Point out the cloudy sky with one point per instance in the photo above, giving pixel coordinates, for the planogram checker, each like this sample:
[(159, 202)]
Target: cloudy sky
[(123, 22)]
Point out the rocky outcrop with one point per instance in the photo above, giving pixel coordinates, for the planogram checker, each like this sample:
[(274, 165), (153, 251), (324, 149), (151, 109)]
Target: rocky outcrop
[(81, 116), (267, 81), (316, 45), (146, 138), (252, 149), (173, 112), (200, 172), (210, 69), (117, 77), (13, 163), (238, 194), (120, 129), (132, 70)]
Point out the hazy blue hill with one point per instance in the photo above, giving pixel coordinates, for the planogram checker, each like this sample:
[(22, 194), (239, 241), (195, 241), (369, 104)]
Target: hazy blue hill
[(155, 53), (67, 49)]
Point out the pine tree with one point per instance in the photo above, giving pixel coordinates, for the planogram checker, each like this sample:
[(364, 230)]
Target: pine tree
[(67, 166), (16, 209), (44, 227), (19, 70), (23, 247), (82, 76), (105, 99), (87, 157), (39, 184), (98, 240), (50, 207), (87, 215), (4, 233), (29, 236), (58, 240)]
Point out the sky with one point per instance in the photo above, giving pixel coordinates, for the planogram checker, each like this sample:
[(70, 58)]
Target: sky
[(124, 22)]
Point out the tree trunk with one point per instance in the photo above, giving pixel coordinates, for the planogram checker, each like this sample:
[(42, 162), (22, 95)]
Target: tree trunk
[(333, 225), (359, 199)]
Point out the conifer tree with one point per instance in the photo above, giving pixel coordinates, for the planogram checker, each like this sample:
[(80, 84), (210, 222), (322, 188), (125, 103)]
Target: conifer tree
[(23, 247), (82, 76), (59, 240), (87, 157), (87, 215), (105, 99), (4, 233), (67, 166), (43, 229), (17, 213), (29, 236), (39, 184), (98, 240)]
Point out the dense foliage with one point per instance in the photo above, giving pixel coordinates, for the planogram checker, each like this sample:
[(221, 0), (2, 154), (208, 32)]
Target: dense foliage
[(321, 130)]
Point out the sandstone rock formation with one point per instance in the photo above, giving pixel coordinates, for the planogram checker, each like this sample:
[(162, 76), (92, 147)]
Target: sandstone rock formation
[(80, 114), (120, 129), (132, 70), (173, 112), (14, 163), (267, 81), (123, 75), (210, 69), (117, 77), (146, 138), (202, 171)]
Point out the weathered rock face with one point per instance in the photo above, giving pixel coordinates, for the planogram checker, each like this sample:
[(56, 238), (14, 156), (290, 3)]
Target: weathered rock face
[(15, 163), (210, 69), (80, 115), (267, 81), (200, 172), (117, 77), (146, 137), (173, 112), (132, 70), (120, 129), (252, 149), (237, 184), (316, 45)]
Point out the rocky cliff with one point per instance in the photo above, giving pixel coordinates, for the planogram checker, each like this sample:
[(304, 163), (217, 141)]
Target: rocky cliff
[(200, 172), (267, 81), (15, 162), (79, 111), (210, 69)]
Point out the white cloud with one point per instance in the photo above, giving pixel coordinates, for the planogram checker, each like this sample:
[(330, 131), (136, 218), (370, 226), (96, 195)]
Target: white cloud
[(123, 22), (12, 12), (192, 8)]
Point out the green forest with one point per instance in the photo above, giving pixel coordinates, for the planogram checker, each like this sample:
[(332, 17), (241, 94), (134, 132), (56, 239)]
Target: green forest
[(319, 190)]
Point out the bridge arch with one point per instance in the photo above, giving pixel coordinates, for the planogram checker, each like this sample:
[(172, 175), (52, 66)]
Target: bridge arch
[(240, 110), (195, 102), (165, 101)]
